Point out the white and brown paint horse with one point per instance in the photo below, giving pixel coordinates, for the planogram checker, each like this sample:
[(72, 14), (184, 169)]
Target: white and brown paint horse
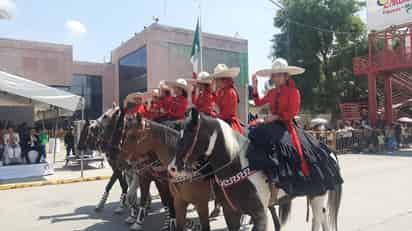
[(245, 192)]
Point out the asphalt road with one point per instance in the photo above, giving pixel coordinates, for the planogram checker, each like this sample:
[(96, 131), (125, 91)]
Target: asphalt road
[(377, 196)]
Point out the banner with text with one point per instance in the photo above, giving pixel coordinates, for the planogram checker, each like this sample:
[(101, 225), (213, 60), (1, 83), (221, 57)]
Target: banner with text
[(386, 13)]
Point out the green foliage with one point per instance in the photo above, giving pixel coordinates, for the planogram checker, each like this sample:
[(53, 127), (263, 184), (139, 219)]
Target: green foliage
[(322, 36)]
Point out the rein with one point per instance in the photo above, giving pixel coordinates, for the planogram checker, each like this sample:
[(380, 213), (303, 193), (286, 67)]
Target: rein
[(190, 151)]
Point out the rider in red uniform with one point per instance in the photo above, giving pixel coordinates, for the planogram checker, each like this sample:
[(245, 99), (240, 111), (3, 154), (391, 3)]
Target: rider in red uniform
[(203, 97), (179, 103), (293, 160), (227, 97), (138, 100)]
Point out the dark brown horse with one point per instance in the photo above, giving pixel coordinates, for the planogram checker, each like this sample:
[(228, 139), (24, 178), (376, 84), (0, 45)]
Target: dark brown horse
[(144, 137), (91, 138)]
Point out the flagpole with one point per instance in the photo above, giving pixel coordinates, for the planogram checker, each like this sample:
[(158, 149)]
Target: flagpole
[(200, 36)]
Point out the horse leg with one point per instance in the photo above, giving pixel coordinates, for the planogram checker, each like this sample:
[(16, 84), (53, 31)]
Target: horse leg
[(259, 219), (105, 195), (319, 210), (275, 218), (123, 185), (144, 183), (181, 209), (232, 218), (167, 201), (202, 209), (131, 196)]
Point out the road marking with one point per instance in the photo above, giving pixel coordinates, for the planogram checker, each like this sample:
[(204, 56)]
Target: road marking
[(52, 182)]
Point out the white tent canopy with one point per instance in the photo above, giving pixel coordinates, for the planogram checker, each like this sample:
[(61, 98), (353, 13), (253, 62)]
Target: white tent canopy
[(39, 92)]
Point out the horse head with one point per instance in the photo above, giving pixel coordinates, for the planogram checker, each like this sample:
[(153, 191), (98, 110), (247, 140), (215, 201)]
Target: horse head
[(102, 131), (202, 140), (137, 138)]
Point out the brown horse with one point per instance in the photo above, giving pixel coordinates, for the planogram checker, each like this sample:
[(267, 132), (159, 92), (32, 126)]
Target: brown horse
[(143, 137)]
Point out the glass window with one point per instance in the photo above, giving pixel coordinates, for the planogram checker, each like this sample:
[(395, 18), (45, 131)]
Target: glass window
[(133, 73), (90, 87)]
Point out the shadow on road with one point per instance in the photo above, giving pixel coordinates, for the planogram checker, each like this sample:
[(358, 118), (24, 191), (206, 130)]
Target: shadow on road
[(109, 220)]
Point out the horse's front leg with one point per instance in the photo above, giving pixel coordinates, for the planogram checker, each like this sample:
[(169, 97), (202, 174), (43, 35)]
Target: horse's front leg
[(232, 218), (203, 211), (180, 207), (144, 183), (259, 219)]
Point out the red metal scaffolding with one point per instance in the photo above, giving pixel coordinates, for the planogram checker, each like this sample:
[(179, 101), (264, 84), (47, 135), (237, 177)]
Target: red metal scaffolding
[(389, 61)]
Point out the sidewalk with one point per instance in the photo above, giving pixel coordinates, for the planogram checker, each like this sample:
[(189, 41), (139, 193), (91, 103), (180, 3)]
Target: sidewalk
[(62, 174)]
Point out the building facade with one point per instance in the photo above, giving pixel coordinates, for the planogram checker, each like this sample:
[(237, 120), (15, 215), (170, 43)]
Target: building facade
[(157, 53)]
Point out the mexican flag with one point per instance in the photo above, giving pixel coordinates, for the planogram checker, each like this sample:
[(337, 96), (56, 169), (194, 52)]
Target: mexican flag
[(195, 55)]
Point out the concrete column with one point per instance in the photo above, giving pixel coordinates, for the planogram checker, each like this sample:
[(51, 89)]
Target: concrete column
[(372, 103), (388, 100)]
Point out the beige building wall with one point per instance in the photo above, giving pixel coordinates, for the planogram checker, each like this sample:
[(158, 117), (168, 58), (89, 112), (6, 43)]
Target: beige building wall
[(167, 61), (106, 71), (41, 62)]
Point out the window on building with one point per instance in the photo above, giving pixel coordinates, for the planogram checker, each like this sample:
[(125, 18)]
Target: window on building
[(133, 73), (90, 87)]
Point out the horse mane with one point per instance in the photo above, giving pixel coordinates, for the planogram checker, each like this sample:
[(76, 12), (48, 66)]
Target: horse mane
[(165, 134), (234, 142)]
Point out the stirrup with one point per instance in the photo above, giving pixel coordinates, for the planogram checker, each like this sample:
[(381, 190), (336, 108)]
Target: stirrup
[(102, 202)]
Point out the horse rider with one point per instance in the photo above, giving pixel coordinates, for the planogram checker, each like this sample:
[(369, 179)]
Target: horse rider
[(292, 159), (227, 97), (180, 102), (138, 100), (203, 97)]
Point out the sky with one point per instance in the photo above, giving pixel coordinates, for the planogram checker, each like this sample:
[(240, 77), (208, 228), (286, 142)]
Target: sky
[(95, 27)]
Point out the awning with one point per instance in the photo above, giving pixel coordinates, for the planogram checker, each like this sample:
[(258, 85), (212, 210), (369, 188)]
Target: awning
[(38, 92)]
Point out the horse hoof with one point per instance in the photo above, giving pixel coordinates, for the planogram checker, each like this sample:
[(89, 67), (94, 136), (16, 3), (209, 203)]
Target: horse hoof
[(130, 220), (136, 226)]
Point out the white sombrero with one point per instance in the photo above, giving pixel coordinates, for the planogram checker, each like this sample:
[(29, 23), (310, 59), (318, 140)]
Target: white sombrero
[(223, 71), (180, 83), (144, 96), (203, 77), (281, 66)]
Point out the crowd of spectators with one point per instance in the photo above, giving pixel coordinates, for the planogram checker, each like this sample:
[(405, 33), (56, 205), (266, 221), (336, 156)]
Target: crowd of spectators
[(22, 144)]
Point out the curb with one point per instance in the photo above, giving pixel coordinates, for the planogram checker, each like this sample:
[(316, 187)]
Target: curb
[(52, 182)]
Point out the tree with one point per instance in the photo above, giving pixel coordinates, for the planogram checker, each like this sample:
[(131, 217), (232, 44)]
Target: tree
[(321, 36)]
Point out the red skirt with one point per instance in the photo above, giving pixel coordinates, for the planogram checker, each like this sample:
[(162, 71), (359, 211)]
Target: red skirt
[(234, 122)]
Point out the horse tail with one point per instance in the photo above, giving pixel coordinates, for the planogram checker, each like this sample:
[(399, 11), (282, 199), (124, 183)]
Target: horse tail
[(284, 211), (334, 200)]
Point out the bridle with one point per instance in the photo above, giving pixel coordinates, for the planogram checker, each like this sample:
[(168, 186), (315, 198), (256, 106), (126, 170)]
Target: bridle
[(192, 147)]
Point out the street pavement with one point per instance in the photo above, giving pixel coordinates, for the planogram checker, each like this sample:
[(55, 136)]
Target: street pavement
[(377, 197)]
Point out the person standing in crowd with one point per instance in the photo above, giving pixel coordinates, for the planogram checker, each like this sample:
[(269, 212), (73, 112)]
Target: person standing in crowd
[(44, 138), (33, 144), (203, 97), (381, 141), (12, 146), (227, 97), (2, 132), (69, 142)]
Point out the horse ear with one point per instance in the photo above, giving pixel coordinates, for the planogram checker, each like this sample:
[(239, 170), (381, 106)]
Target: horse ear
[(114, 105)]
